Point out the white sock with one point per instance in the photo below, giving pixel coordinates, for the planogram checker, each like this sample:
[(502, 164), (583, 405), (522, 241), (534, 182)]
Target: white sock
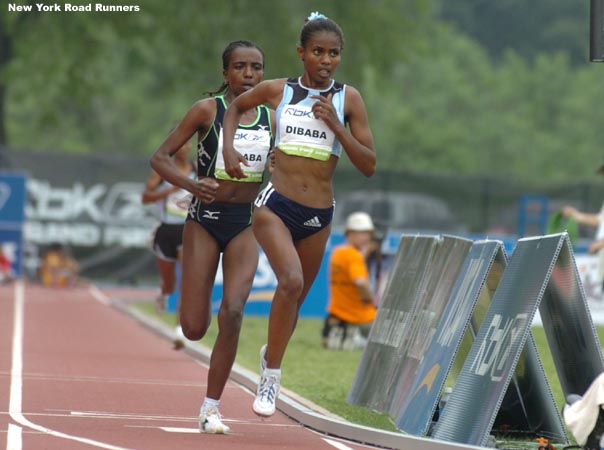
[(209, 403), (272, 372)]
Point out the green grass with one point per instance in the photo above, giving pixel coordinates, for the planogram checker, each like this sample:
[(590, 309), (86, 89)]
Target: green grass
[(325, 376)]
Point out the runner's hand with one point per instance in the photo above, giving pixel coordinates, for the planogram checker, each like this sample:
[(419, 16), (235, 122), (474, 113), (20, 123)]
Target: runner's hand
[(323, 109), (232, 163), (205, 189)]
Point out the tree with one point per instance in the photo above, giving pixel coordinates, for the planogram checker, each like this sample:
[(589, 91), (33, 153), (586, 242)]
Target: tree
[(528, 28), (117, 81), (52, 62)]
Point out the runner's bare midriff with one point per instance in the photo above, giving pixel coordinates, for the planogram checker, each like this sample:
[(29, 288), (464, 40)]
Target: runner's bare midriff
[(236, 191), (304, 180)]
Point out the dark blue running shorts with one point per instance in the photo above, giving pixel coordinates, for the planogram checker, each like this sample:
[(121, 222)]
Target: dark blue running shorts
[(302, 221)]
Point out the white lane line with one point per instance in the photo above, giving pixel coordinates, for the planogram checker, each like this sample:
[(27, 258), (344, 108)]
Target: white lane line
[(126, 416), (179, 430), (98, 295), (337, 444), (151, 418), (16, 381), (14, 440), (238, 423)]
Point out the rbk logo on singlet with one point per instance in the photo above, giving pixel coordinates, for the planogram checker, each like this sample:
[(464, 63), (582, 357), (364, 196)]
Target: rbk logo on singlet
[(213, 215), (291, 111), (251, 137)]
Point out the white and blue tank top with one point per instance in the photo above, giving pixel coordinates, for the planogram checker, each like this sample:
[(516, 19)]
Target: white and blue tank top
[(299, 133)]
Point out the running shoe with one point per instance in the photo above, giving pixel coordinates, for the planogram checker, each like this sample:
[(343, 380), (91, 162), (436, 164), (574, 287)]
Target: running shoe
[(267, 393), (210, 421), (178, 342), (262, 358)]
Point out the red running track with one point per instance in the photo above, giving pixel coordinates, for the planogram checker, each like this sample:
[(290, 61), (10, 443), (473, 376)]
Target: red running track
[(75, 373)]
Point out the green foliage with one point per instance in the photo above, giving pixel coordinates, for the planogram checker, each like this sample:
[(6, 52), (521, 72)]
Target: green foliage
[(469, 87), (116, 82), (460, 112), (531, 28)]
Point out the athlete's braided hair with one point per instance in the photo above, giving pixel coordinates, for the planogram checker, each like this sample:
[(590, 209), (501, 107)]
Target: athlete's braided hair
[(317, 22), (226, 59)]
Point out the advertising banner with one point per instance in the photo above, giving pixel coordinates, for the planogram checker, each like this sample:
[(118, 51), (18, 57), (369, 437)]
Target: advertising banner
[(541, 275), (422, 277), (12, 216)]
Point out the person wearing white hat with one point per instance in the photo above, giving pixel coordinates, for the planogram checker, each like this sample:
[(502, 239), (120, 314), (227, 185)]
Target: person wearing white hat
[(351, 308)]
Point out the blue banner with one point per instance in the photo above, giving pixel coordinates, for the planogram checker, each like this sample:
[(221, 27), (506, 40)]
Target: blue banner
[(263, 289), (12, 216), (265, 282)]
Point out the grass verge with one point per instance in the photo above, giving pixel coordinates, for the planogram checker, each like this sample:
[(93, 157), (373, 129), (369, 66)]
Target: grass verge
[(325, 376)]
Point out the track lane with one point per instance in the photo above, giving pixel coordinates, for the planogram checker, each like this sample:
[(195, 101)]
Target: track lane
[(95, 378)]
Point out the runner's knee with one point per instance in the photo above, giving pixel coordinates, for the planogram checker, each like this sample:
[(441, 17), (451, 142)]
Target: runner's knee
[(193, 328), (291, 284), (230, 319)]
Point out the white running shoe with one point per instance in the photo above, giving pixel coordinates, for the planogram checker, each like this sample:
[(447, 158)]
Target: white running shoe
[(262, 358), (211, 422), (267, 393), (178, 342)]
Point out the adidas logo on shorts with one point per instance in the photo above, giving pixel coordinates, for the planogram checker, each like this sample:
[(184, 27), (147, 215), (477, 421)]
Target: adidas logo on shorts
[(314, 222)]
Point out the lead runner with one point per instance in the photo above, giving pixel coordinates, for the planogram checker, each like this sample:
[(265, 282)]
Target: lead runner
[(316, 117)]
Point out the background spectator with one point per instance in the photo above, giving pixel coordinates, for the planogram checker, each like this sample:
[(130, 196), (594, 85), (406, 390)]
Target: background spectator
[(351, 308), (58, 268), (594, 220)]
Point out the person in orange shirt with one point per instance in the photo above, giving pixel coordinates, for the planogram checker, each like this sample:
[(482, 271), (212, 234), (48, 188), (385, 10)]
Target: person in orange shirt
[(58, 267), (351, 308)]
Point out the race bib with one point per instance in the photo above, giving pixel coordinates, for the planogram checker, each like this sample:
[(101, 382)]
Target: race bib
[(254, 146), (300, 134)]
